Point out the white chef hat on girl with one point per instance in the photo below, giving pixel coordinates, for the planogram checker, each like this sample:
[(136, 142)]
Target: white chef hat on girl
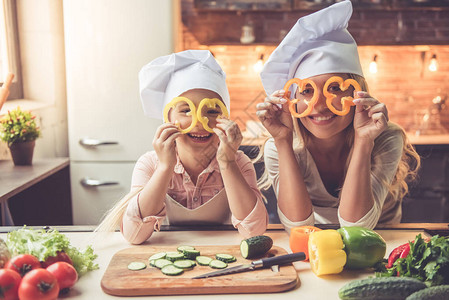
[(168, 76), (317, 44)]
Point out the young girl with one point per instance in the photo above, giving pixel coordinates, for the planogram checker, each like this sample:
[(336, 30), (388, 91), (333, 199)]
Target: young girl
[(195, 175), (327, 166)]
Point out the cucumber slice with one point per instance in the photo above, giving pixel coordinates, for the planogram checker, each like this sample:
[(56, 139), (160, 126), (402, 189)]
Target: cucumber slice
[(172, 270), (136, 265), (152, 262), (191, 253), (217, 264), (172, 256), (157, 256), (203, 260), (227, 258), (185, 247), (184, 264), (162, 262)]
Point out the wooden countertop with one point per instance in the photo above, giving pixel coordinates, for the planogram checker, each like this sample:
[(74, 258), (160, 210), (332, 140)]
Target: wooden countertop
[(15, 179), (441, 139), (310, 286)]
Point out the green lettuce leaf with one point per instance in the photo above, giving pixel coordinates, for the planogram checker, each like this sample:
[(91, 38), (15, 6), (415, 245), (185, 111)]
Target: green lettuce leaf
[(43, 244)]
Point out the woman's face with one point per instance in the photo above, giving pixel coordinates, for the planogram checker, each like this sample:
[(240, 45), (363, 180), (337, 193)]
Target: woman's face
[(181, 113), (321, 122)]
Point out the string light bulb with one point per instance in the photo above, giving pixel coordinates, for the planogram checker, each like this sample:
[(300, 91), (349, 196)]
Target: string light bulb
[(257, 67), (433, 65), (373, 65)]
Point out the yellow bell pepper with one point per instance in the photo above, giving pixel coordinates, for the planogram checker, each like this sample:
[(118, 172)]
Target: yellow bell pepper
[(326, 252)]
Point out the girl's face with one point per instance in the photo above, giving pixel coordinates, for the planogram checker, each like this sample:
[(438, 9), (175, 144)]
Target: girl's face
[(198, 136), (321, 122)]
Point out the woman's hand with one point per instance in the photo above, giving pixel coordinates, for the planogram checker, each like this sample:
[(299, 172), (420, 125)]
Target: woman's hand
[(164, 144), (230, 139), (275, 116), (371, 117)]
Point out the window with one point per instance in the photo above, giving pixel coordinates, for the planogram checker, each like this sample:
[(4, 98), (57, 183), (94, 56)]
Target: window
[(9, 47)]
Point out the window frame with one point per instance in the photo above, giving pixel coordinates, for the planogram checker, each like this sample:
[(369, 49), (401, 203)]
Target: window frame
[(9, 30)]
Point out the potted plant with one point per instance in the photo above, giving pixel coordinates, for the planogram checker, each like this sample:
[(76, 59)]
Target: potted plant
[(19, 130)]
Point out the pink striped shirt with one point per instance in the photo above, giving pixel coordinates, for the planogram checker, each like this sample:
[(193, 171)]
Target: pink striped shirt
[(137, 228)]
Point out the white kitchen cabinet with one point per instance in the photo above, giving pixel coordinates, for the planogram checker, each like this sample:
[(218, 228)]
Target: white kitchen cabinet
[(97, 187), (107, 42)]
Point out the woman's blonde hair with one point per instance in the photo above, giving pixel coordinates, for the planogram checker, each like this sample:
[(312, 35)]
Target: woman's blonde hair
[(408, 165), (113, 217)]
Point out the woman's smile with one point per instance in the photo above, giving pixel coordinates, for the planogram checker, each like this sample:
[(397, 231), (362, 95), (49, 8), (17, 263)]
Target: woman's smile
[(319, 119)]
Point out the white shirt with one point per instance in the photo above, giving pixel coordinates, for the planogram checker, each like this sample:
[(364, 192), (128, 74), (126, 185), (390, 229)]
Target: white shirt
[(385, 158)]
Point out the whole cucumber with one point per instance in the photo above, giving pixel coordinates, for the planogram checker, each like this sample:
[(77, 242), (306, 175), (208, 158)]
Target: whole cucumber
[(380, 288)]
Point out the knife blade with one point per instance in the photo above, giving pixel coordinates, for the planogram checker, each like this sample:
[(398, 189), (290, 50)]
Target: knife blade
[(257, 264)]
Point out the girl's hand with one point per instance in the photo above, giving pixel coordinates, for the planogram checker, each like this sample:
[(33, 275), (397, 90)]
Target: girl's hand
[(230, 139), (371, 117), (164, 144), (275, 116)]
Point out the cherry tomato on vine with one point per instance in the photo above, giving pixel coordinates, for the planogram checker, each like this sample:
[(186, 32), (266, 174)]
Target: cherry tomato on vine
[(9, 284), (23, 263), (65, 274), (39, 284), (61, 256)]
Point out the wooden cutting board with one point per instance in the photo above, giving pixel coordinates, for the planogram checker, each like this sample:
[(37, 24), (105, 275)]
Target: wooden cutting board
[(119, 281)]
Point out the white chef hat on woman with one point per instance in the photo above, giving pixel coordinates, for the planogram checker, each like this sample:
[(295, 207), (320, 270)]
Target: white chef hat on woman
[(168, 76), (317, 44)]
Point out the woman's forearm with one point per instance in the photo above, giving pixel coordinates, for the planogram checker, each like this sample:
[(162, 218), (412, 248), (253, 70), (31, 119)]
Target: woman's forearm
[(293, 197), (357, 196), (152, 196), (241, 197)]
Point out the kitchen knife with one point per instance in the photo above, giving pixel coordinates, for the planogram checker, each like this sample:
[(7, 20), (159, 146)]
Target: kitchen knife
[(257, 264)]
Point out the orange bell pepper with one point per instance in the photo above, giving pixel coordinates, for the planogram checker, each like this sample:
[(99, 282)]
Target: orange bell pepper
[(299, 239)]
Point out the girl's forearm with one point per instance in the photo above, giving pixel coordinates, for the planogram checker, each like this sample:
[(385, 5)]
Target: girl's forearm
[(357, 196), (152, 196), (293, 198), (241, 197)]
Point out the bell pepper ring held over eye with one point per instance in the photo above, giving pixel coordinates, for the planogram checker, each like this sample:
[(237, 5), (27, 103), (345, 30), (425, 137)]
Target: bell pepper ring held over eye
[(345, 101), (172, 104), (211, 103), (301, 85), (343, 84)]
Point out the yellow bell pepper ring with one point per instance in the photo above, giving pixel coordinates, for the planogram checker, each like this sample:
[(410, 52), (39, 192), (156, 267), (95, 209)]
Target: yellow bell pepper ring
[(326, 252), (211, 103), (345, 101), (301, 85), (192, 112)]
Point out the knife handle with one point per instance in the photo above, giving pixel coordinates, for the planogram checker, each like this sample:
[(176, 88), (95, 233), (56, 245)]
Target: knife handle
[(283, 259)]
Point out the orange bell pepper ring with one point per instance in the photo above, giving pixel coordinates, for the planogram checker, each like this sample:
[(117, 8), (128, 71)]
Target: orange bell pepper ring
[(345, 101), (299, 239), (192, 112), (301, 85), (211, 103)]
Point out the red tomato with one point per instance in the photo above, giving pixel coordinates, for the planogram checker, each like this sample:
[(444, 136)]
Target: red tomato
[(62, 256), (9, 284), (65, 274), (23, 263), (39, 284)]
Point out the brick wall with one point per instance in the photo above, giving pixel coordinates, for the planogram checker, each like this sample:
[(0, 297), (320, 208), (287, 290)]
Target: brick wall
[(403, 80)]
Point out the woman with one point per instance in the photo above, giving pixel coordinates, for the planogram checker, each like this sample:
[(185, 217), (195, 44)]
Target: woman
[(326, 167)]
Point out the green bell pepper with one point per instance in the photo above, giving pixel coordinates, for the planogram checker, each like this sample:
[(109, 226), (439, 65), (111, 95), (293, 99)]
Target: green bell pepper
[(364, 247)]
